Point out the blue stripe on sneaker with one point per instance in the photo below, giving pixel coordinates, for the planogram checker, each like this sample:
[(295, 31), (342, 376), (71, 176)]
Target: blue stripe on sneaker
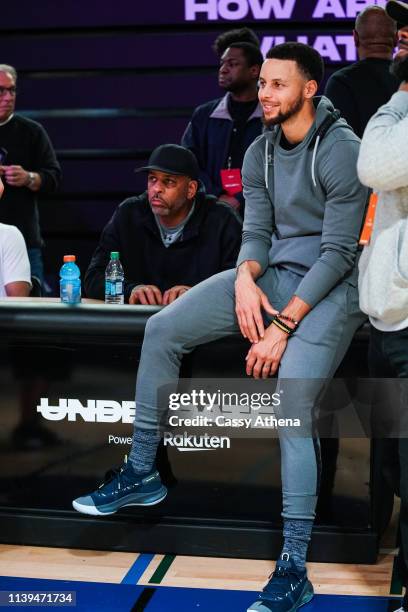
[(137, 570)]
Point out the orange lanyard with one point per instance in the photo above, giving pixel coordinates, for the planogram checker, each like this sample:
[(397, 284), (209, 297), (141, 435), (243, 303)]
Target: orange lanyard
[(369, 220)]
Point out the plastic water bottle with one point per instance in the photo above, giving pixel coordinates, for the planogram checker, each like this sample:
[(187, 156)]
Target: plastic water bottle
[(114, 277), (70, 281)]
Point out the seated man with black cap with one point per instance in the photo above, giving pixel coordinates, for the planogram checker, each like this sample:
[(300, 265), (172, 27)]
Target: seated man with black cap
[(171, 237)]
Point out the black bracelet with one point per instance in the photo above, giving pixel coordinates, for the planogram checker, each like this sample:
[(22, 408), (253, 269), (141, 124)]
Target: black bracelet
[(282, 326)]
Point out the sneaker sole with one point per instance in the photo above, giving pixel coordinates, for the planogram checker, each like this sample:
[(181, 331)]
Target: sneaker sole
[(306, 597), (94, 511)]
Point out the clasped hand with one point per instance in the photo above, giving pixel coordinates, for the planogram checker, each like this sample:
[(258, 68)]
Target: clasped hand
[(268, 345), (264, 357), (15, 176), (150, 295)]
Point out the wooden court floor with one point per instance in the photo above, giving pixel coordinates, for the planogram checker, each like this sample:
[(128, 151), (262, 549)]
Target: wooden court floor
[(151, 570), (193, 572)]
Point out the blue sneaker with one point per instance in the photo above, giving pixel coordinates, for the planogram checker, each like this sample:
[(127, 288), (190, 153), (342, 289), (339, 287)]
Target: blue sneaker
[(404, 607), (122, 487), (287, 590)]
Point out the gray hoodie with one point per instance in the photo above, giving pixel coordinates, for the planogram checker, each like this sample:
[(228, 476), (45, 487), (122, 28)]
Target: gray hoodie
[(304, 207)]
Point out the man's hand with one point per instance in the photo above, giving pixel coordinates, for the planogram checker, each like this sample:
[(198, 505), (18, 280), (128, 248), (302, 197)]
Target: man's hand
[(404, 86), (264, 357), (233, 202), (15, 176), (249, 299), (148, 295), (173, 293)]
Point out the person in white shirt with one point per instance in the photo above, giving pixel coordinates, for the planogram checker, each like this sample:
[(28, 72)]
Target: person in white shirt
[(15, 278), (383, 280)]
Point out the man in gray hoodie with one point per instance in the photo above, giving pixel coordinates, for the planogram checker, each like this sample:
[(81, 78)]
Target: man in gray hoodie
[(293, 296)]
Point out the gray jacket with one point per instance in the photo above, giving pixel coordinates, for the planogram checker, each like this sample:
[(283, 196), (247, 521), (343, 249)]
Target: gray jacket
[(304, 207)]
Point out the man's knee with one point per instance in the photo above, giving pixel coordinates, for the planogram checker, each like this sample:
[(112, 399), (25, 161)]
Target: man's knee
[(159, 326)]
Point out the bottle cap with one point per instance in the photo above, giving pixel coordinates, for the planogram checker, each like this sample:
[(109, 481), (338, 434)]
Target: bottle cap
[(69, 258), (114, 254)]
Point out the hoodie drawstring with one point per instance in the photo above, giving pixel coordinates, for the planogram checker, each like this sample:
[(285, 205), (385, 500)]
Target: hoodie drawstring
[(314, 159), (266, 164), (320, 133)]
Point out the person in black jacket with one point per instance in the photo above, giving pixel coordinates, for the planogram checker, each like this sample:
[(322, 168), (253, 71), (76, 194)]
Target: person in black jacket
[(28, 166), (360, 89), (170, 238)]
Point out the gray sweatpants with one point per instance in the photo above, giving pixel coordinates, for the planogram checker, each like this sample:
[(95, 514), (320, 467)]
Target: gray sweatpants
[(207, 312)]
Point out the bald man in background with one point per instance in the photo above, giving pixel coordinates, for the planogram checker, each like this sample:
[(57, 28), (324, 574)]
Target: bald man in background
[(361, 88)]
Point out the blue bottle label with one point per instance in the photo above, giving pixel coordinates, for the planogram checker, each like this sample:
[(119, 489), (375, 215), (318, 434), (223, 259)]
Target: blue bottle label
[(114, 288), (70, 291)]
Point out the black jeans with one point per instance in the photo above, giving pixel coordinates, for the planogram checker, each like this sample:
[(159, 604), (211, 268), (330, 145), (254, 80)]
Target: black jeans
[(388, 358)]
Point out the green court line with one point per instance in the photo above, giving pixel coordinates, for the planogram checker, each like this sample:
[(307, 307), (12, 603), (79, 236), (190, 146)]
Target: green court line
[(396, 582), (162, 569)]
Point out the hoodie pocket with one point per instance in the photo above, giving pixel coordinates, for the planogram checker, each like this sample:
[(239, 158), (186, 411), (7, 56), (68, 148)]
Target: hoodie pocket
[(384, 283)]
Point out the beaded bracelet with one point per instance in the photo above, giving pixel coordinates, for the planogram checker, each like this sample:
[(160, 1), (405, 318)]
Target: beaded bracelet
[(287, 318)]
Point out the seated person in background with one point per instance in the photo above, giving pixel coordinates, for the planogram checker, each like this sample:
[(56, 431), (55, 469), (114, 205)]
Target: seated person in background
[(15, 277), (15, 281), (170, 238), (220, 131)]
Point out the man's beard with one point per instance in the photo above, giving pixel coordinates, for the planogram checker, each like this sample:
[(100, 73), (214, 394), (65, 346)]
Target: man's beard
[(293, 110), (399, 68)]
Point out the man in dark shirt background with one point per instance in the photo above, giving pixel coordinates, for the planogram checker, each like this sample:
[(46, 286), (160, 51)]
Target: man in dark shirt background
[(28, 165), (171, 237), (360, 89), (221, 130)]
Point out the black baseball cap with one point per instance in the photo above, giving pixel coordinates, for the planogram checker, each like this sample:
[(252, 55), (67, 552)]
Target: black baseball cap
[(173, 159), (398, 11)]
